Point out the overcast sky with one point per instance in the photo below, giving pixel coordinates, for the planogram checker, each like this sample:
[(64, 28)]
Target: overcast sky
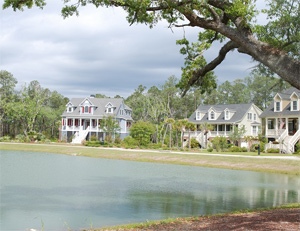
[(97, 52)]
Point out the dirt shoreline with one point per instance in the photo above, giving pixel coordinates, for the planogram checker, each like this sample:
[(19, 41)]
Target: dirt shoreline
[(275, 219)]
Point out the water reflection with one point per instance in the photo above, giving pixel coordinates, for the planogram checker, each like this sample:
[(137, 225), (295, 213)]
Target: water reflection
[(77, 190)]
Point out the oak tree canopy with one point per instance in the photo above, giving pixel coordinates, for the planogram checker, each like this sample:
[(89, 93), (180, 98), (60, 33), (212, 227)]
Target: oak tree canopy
[(275, 44)]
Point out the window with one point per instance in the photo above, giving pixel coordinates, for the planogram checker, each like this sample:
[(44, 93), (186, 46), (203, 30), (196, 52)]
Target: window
[(110, 110), (294, 105), (254, 117), (70, 109), (254, 130), (128, 124), (212, 115), (198, 115), (86, 109), (249, 116), (277, 106), (226, 115)]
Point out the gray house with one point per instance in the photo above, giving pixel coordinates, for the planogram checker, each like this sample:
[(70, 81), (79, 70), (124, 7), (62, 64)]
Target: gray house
[(83, 116), (224, 118), (281, 120)]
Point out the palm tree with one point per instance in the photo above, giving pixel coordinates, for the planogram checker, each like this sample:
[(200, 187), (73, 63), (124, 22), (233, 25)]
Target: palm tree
[(205, 128), (191, 127), (182, 125)]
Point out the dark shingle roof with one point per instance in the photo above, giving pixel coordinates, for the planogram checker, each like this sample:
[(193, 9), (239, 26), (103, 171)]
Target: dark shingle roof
[(269, 111), (100, 104), (239, 109)]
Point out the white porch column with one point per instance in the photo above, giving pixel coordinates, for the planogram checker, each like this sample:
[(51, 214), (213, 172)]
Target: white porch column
[(225, 130), (276, 126), (73, 124), (80, 124), (266, 127), (217, 129), (90, 124)]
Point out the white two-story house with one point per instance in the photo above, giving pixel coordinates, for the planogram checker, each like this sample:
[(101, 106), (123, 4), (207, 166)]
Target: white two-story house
[(224, 118), (82, 118), (281, 120)]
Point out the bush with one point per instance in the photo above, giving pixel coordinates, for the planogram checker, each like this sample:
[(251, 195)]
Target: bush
[(273, 150), (275, 142), (93, 138), (20, 138), (108, 138), (210, 149), (236, 149), (118, 140), (4, 138), (244, 149), (129, 141), (219, 143), (194, 143), (93, 143)]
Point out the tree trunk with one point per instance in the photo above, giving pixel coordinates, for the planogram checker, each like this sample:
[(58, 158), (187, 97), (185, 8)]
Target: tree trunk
[(189, 139), (242, 38), (170, 138)]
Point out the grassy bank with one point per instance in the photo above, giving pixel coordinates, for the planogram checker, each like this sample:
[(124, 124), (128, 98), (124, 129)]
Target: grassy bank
[(223, 161), (158, 225)]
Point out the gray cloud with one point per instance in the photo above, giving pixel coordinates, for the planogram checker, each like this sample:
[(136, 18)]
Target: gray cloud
[(97, 52)]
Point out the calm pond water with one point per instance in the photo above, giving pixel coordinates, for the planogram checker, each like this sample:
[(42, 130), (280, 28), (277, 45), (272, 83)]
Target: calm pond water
[(58, 192)]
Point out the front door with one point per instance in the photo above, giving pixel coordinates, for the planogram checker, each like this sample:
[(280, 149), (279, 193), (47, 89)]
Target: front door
[(293, 126)]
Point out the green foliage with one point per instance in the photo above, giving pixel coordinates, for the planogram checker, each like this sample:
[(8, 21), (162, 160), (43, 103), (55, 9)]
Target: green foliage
[(93, 143), (194, 143), (220, 143), (237, 149), (5, 139), (130, 141), (237, 133), (273, 150), (93, 138), (142, 132), (210, 149)]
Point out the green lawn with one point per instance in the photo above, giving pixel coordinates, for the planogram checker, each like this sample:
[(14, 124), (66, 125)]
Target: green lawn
[(223, 161)]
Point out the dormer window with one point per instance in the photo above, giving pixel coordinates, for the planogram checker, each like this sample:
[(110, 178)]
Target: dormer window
[(69, 109), (226, 115), (294, 105), (212, 115), (198, 115), (109, 108), (86, 109), (277, 106)]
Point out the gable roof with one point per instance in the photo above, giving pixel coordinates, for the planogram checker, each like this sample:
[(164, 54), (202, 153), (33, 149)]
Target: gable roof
[(239, 109), (285, 95), (99, 103)]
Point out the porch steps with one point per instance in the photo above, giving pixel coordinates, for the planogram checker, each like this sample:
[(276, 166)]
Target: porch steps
[(80, 136), (288, 142)]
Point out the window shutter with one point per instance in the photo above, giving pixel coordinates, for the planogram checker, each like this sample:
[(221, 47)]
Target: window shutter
[(82, 109), (63, 122), (90, 109)]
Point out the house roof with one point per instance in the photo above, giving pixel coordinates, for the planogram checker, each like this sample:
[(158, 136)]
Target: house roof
[(100, 106), (239, 112), (270, 112)]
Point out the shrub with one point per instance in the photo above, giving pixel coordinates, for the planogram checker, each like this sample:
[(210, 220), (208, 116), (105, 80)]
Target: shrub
[(4, 138), (244, 149), (210, 149), (118, 140), (194, 143), (20, 138), (273, 150), (108, 138), (93, 143), (275, 142), (93, 138), (130, 141), (219, 143), (235, 149)]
